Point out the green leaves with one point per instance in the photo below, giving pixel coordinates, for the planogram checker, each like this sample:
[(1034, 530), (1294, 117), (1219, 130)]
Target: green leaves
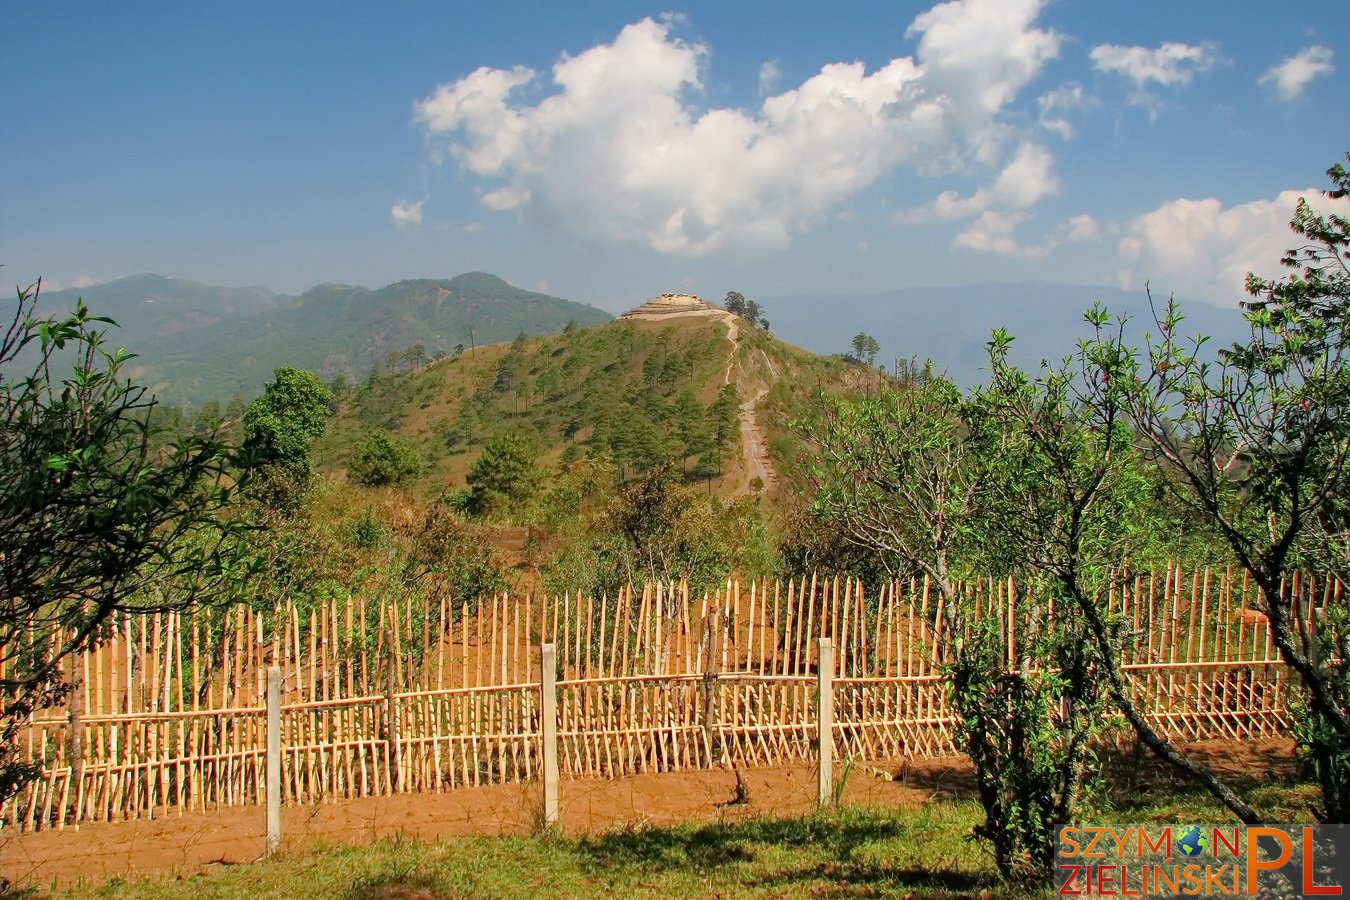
[(98, 512)]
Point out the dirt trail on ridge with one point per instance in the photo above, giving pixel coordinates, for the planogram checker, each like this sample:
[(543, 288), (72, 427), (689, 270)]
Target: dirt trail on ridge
[(754, 445)]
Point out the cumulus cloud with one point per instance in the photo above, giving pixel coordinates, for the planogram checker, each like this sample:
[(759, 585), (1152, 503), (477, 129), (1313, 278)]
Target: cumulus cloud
[(1079, 229), (1055, 104), (615, 148), (1025, 181), (994, 232), (407, 214), (1206, 249), (1292, 76), (769, 75), (1169, 65)]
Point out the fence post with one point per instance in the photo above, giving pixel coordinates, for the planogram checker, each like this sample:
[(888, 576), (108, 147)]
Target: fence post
[(548, 712), (75, 750), (825, 722), (273, 759), (391, 727), (712, 736)]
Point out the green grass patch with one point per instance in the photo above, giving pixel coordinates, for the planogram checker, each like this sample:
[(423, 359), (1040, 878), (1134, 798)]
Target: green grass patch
[(849, 852), (867, 852)]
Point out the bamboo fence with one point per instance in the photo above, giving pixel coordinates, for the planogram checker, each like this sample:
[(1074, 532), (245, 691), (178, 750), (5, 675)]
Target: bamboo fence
[(381, 698)]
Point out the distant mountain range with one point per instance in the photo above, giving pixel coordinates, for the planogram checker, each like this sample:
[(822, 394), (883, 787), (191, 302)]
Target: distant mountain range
[(149, 306), (197, 343), (951, 325)]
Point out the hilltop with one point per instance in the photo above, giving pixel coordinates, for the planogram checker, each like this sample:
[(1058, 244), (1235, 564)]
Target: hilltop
[(694, 386)]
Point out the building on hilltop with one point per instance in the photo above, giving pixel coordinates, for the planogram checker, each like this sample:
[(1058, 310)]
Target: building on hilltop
[(669, 303)]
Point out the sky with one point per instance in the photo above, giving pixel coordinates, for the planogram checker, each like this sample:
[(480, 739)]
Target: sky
[(609, 152)]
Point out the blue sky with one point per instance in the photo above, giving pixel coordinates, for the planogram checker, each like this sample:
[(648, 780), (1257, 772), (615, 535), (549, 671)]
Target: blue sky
[(609, 152)]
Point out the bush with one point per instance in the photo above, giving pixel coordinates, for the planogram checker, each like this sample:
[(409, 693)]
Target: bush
[(383, 460), (1027, 729), (367, 531), (505, 475)]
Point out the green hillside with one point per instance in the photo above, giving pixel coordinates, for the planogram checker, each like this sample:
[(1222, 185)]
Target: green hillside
[(638, 394), (341, 329)]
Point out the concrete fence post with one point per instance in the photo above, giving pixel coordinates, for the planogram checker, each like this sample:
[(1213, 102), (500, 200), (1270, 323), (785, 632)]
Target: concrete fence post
[(825, 723), (273, 760), (548, 712)]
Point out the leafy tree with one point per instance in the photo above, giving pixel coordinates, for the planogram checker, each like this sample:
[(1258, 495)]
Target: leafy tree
[(98, 513), (1256, 439), (735, 303), (725, 416), (383, 459), (753, 313), (208, 419), (919, 478), (415, 356), (281, 424), (506, 474), (1063, 498), (865, 348), (340, 384)]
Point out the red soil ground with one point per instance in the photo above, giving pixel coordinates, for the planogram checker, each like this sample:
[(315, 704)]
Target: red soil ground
[(195, 842)]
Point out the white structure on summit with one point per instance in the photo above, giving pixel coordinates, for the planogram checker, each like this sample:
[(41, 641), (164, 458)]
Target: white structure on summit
[(669, 303)]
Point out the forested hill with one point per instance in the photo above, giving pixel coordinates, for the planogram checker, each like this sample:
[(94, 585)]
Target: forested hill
[(707, 393), (334, 329)]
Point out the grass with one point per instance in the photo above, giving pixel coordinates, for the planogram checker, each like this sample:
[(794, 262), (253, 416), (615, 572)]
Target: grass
[(923, 852), (853, 851)]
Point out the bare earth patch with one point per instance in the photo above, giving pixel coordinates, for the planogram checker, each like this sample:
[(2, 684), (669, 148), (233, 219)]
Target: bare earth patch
[(199, 842)]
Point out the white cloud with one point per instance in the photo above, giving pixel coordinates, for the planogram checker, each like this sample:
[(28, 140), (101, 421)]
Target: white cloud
[(993, 232), (616, 151), (83, 281), (1202, 248), (1292, 76), (1079, 229), (1059, 101), (769, 75), (1024, 182), (407, 214), (1169, 65)]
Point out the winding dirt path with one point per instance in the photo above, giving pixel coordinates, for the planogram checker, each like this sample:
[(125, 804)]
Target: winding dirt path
[(754, 445)]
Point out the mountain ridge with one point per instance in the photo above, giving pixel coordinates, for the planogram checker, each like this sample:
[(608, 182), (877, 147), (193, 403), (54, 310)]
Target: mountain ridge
[(189, 351), (951, 325)]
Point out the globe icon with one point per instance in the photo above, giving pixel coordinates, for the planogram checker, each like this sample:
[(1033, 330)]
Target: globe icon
[(1193, 841)]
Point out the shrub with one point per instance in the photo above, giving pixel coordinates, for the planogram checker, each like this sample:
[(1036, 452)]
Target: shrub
[(383, 460)]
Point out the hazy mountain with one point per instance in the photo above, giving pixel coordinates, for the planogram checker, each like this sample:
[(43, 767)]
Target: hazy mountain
[(148, 306), (341, 328), (951, 325)]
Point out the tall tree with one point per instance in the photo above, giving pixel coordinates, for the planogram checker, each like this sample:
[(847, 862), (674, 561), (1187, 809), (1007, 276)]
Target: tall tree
[(865, 348), (282, 422), (506, 473), (1257, 439)]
